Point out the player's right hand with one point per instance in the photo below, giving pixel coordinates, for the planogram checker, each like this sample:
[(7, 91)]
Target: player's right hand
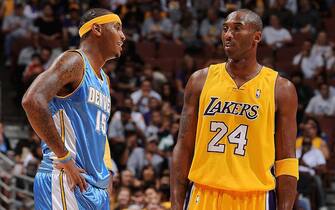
[(74, 178)]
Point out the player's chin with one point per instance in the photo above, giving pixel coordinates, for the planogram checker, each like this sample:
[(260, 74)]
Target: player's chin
[(229, 52), (116, 53)]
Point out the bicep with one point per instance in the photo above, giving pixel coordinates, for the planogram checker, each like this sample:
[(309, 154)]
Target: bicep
[(286, 125), (189, 115), (65, 70)]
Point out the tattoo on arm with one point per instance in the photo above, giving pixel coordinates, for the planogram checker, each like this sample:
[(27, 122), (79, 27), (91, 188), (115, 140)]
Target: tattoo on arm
[(65, 70)]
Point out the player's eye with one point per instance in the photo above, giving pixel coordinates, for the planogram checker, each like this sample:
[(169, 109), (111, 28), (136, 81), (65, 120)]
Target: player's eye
[(238, 28), (225, 28)]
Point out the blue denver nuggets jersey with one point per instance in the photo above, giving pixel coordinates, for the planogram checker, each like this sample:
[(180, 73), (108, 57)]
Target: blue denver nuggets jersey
[(81, 120)]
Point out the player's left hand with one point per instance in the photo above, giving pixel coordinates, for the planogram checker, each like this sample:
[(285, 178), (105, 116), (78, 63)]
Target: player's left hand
[(72, 183)]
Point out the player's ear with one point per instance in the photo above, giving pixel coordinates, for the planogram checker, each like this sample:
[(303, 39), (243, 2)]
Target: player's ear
[(96, 29), (258, 37)]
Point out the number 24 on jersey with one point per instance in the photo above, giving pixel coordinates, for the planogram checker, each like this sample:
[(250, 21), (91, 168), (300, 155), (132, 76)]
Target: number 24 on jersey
[(237, 136)]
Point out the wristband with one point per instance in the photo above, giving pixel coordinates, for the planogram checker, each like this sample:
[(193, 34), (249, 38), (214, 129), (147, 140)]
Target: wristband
[(65, 158), (288, 166)]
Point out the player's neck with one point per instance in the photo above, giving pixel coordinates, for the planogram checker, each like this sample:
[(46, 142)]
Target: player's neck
[(242, 68), (94, 56)]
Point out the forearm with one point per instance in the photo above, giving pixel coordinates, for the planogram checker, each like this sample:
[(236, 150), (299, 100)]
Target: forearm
[(179, 177), (40, 119), (286, 192)]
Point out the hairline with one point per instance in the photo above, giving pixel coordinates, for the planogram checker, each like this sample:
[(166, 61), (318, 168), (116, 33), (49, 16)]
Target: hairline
[(249, 17)]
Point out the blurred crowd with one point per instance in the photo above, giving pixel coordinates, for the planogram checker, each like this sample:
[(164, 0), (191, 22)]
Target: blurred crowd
[(167, 40)]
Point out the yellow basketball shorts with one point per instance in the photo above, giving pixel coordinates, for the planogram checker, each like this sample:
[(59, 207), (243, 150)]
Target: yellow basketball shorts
[(204, 198)]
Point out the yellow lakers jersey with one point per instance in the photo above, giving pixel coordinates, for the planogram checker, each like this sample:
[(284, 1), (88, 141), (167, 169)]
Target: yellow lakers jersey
[(235, 147)]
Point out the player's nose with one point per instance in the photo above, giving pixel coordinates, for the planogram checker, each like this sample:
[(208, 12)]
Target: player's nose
[(228, 35), (123, 37)]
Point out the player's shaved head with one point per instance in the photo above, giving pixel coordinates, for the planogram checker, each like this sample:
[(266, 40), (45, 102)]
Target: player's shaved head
[(247, 17)]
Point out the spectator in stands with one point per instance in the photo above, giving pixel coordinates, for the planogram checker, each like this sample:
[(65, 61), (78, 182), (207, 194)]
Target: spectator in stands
[(138, 198), (330, 65), (135, 116), (211, 27), (321, 79), (186, 31), (292, 5), (119, 132), (309, 65), (123, 198), (311, 129), (31, 9), (165, 137), (152, 199), (127, 179), (312, 163), (28, 149), (70, 28), (168, 94), (307, 20), (141, 157), (187, 67), (15, 27), (4, 141), (274, 35), (127, 80), (148, 176), (155, 123), (173, 9), (322, 47), (33, 69), (305, 93), (48, 28), (131, 17), (198, 7), (141, 97), (129, 57), (155, 75), (323, 104), (157, 27), (279, 9), (164, 190)]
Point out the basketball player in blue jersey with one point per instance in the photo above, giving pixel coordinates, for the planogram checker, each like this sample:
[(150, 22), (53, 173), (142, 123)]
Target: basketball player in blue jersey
[(68, 106)]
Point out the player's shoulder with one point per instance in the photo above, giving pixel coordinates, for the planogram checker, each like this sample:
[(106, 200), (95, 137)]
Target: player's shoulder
[(284, 84), (200, 74), (197, 80), (285, 93), (67, 66), (70, 59)]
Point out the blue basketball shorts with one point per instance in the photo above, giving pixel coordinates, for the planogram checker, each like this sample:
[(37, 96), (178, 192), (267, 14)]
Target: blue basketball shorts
[(51, 191)]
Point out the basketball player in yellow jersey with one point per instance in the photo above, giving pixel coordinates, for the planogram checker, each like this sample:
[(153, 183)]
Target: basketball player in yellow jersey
[(238, 122)]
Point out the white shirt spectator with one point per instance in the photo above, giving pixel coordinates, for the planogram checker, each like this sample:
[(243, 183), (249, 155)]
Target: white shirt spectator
[(30, 12), (320, 106), (292, 5), (135, 117), (308, 64), (330, 63), (319, 50), (116, 3), (156, 28), (276, 36), (331, 91), (312, 158), (143, 102)]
